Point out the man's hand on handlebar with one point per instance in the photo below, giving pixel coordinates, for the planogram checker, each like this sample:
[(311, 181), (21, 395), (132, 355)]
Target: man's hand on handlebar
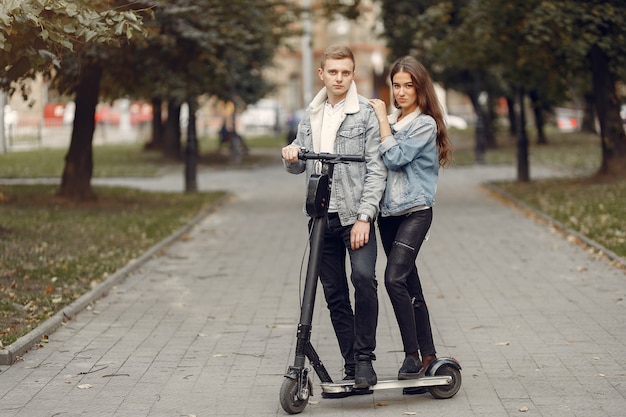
[(290, 153)]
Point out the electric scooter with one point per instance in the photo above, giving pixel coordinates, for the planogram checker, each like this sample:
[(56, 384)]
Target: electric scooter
[(443, 376)]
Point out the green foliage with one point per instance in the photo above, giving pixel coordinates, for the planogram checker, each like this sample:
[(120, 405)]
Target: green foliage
[(132, 160), (545, 49), (197, 47), (36, 34), (109, 161), (538, 44)]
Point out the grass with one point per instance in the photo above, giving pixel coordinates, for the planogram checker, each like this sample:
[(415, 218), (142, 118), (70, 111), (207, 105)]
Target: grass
[(52, 251), (120, 160)]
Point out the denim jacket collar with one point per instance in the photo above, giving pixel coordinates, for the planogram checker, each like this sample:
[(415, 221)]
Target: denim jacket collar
[(351, 106), (398, 125)]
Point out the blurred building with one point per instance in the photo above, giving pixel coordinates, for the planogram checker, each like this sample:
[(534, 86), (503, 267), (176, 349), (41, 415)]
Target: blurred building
[(295, 72)]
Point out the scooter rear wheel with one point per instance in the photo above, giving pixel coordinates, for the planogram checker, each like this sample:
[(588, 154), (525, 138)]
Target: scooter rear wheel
[(447, 391), (289, 399)]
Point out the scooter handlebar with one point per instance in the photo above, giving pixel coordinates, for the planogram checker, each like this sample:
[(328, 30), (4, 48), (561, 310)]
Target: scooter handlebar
[(331, 157)]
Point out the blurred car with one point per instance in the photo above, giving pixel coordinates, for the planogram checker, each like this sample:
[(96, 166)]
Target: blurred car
[(568, 120), (567, 124)]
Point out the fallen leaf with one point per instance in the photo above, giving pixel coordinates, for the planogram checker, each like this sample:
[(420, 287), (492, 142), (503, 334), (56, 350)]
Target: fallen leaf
[(382, 404)]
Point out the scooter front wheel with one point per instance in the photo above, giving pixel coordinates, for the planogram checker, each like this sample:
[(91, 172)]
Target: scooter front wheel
[(447, 391), (289, 397)]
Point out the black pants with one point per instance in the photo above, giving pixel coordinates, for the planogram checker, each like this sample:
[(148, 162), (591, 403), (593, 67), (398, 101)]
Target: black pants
[(355, 331), (402, 238)]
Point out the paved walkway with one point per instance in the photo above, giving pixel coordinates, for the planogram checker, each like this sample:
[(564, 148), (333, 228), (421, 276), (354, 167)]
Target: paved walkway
[(208, 327)]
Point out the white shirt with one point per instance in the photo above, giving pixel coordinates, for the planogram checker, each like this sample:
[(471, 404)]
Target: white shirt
[(333, 116)]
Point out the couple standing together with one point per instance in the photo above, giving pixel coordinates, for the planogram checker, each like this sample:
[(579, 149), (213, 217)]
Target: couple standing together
[(395, 186)]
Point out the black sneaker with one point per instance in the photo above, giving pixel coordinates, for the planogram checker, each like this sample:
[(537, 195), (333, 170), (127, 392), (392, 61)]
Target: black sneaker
[(364, 375), (410, 369)]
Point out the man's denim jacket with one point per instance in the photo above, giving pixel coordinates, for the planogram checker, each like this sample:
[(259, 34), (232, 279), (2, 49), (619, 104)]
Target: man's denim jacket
[(357, 186)]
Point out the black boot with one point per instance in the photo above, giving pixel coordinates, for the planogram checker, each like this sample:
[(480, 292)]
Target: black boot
[(410, 369), (364, 375)]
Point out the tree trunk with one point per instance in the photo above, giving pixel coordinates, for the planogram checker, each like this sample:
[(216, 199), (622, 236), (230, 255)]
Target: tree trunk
[(191, 150), (589, 115), (510, 101), (492, 115), (157, 125), (480, 135), (76, 180), (607, 105), (523, 171), (172, 135), (539, 119)]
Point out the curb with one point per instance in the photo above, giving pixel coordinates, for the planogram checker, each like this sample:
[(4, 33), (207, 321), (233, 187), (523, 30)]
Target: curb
[(581, 239), (10, 354)]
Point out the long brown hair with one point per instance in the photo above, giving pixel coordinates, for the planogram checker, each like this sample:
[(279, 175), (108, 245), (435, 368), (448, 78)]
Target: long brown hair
[(427, 101)]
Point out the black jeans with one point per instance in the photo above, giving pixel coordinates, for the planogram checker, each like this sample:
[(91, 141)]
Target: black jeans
[(355, 331), (402, 238)]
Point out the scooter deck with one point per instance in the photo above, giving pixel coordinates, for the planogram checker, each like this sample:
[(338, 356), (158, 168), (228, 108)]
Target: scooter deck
[(348, 386)]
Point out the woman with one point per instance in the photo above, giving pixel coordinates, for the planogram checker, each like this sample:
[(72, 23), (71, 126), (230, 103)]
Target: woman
[(414, 144)]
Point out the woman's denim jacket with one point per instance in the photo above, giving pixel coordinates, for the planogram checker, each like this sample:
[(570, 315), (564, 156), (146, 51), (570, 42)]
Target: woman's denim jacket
[(412, 158), (358, 187)]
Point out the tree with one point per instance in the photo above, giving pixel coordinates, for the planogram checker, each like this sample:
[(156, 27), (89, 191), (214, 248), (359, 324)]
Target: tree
[(535, 47), (34, 35), (193, 47), (591, 36), (436, 33)]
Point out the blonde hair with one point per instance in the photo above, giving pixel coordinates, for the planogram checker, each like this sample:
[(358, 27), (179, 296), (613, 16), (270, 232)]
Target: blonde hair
[(337, 52)]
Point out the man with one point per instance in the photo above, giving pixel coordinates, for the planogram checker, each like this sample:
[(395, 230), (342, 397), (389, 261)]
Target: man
[(340, 121)]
